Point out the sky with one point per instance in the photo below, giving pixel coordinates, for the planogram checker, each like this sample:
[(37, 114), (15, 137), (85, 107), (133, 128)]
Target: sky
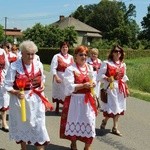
[(22, 14)]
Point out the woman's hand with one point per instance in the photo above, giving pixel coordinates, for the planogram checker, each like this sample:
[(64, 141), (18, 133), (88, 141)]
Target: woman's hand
[(88, 85), (93, 84), (128, 92), (21, 95), (57, 79), (109, 79)]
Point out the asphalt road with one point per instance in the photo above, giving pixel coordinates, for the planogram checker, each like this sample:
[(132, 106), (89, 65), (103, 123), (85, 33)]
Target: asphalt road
[(134, 125)]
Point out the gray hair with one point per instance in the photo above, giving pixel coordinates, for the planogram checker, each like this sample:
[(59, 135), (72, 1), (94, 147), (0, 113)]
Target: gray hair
[(27, 46)]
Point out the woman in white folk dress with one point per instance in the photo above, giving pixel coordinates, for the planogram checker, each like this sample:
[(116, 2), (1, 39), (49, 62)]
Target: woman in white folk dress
[(59, 63), (4, 96), (113, 76), (32, 131), (95, 62), (79, 110)]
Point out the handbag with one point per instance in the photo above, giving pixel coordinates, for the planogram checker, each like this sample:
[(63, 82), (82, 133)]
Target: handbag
[(103, 95)]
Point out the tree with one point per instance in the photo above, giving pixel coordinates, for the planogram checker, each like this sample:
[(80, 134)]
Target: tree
[(70, 35), (113, 18), (83, 12), (1, 33), (50, 36), (36, 33), (145, 33)]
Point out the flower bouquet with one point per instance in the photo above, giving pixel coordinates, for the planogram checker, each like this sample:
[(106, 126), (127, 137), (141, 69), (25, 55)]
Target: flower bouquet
[(21, 82)]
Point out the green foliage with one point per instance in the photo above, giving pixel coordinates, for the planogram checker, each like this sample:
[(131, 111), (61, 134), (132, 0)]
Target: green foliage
[(50, 36), (46, 67), (139, 73), (1, 33), (70, 35), (113, 18), (146, 26)]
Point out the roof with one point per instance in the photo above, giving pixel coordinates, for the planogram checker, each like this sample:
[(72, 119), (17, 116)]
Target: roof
[(13, 32), (78, 25), (93, 35)]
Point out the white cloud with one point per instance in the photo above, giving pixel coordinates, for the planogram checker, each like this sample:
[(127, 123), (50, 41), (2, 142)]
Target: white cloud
[(66, 5)]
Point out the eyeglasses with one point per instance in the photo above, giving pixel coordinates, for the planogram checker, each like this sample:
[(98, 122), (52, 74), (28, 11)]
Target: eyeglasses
[(117, 51), (83, 55)]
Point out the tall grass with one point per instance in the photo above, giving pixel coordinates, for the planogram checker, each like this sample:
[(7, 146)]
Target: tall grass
[(139, 77)]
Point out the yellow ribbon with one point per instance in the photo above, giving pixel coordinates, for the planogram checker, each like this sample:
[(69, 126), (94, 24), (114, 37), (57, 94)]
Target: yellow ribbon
[(112, 83)]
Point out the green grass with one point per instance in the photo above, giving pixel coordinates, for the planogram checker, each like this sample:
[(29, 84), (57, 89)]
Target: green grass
[(46, 67), (138, 73), (139, 77)]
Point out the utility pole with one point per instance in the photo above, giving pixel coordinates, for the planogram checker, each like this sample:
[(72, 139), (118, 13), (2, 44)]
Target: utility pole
[(5, 27)]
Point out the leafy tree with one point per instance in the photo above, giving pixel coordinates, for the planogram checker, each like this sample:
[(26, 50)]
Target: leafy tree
[(49, 36), (70, 35), (1, 33), (113, 18), (36, 33), (145, 33), (53, 36), (83, 12)]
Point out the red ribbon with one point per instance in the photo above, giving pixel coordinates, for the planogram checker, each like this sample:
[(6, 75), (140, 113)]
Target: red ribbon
[(122, 88), (88, 97), (45, 101)]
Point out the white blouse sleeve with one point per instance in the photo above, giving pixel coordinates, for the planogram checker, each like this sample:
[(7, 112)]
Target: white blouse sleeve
[(102, 71), (125, 78), (69, 81), (10, 78), (54, 65)]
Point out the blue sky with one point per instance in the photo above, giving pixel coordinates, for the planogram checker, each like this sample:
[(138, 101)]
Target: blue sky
[(26, 13)]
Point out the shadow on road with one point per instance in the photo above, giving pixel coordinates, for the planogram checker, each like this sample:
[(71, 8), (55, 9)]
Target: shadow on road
[(52, 113), (49, 147), (102, 132)]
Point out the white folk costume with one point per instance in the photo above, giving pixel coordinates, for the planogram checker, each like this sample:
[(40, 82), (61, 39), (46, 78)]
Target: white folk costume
[(58, 65), (4, 96), (96, 66), (33, 131), (11, 57), (79, 110), (117, 96)]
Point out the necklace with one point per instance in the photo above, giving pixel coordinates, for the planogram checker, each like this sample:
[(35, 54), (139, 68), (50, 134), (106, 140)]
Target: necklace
[(81, 71), (65, 56), (26, 72)]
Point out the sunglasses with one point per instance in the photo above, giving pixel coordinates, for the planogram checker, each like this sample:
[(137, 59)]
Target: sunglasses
[(83, 55), (117, 51)]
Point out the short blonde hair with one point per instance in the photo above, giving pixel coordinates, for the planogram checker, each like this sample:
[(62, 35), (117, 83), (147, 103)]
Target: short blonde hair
[(94, 51), (27, 46)]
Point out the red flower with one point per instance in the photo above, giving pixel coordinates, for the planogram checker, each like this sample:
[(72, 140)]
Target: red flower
[(21, 82)]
